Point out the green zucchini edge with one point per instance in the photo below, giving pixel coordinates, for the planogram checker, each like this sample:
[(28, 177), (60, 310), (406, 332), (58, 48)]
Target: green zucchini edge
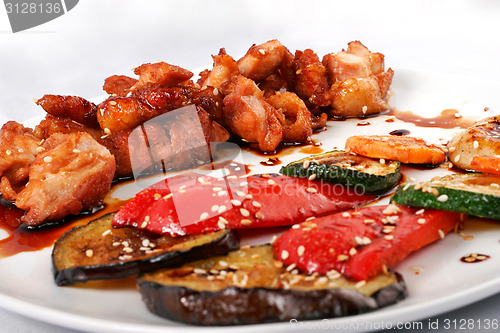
[(345, 176)]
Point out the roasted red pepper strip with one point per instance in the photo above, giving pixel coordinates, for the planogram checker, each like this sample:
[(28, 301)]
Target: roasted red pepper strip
[(362, 243), (194, 204)]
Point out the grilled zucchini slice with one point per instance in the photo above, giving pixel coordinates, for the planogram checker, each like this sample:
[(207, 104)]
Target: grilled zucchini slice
[(473, 194), (249, 286), (347, 169), (97, 251)]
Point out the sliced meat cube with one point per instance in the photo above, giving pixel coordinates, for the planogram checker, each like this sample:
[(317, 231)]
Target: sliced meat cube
[(225, 67), (74, 107), (118, 85), (71, 175), (160, 74), (250, 116), (262, 60), (18, 148)]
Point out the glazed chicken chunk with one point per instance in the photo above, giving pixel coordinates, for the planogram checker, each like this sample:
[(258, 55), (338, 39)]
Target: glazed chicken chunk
[(18, 148), (250, 116), (359, 82), (262, 60), (73, 173)]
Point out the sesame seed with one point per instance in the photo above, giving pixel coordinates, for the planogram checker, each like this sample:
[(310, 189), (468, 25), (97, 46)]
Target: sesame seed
[(116, 244), (262, 51), (107, 131), (214, 208), (221, 225), (204, 216), (346, 214), (291, 267), (246, 222), (312, 177), (311, 190), (306, 164), (389, 237), (421, 221), (256, 204), (300, 250), (457, 158), (240, 193), (223, 263), (284, 254), (199, 271), (441, 233), (47, 159), (217, 189), (221, 209), (366, 240), (89, 253), (223, 220), (146, 242), (382, 161), (271, 182), (244, 184), (364, 109), (244, 212), (113, 103), (360, 284), (222, 193), (407, 186), (476, 144), (421, 211), (107, 232), (368, 221), (352, 251), (215, 91), (273, 239), (296, 226), (128, 249), (442, 198), (236, 202), (249, 197), (342, 257), (125, 257)]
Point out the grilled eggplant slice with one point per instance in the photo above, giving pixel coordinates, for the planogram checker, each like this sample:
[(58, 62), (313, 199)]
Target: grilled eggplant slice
[(97, 251), (249, 286)]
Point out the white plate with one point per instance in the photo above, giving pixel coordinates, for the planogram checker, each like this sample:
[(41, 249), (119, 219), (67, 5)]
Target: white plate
[(443, 283)]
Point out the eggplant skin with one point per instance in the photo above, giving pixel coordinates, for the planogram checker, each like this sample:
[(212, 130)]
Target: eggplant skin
[(249, 286), (238, 306), (68, 256)]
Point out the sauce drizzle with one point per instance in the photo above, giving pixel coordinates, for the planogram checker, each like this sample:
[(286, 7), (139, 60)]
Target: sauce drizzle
[(474, 257), (449, 118)]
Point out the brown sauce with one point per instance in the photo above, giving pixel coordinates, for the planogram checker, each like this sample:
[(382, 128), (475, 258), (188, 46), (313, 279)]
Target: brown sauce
[(24, 239), (311, 150), (363, 123), (271, 161), (474, 257), (400, 132), (449, 118)]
